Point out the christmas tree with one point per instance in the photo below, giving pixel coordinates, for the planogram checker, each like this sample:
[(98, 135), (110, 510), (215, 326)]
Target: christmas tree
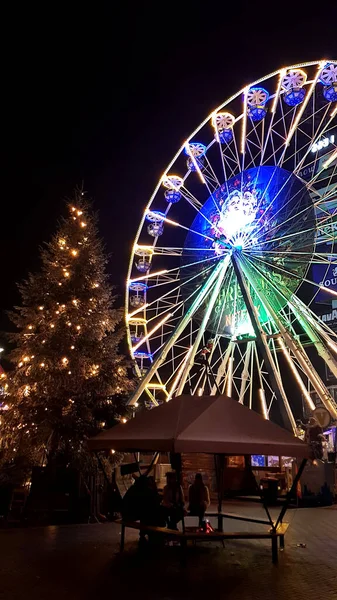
[(69, 379)]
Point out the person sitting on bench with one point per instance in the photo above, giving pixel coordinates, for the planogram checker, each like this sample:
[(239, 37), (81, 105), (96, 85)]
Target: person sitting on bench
[(141, 503), (198, 496), (173, 501)]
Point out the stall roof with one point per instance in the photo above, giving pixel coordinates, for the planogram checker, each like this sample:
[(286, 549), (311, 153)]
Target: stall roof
[(211, 424)]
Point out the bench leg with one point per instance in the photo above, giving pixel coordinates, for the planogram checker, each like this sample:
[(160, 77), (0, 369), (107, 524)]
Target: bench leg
[(183, 547), (122, 538), (282, 541), (274, 549)]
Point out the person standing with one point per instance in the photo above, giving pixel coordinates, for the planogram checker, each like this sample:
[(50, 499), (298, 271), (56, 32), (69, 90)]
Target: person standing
[(199, 500), (173, 501)]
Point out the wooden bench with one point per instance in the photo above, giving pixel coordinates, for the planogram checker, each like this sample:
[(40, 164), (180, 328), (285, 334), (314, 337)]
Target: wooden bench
[(194, 536)]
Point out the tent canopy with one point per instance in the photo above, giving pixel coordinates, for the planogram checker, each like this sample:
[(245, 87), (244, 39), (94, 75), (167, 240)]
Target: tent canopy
[(211, 424)]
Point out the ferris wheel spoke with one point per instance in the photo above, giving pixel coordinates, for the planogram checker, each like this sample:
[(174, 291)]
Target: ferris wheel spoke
[(297, 348), (179, 329), (203, 325), (300, 112), (313, 139)]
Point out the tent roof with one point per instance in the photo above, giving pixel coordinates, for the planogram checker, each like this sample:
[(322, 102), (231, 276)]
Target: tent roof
[(211, 424)]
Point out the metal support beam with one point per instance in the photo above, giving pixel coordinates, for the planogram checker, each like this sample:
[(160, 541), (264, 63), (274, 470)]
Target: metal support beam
[(262, 344), (294, 344), (203, 325), (178, 331)]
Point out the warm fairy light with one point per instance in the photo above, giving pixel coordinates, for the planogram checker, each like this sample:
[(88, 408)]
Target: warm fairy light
[(42, 364), (26, 359), (52, 325), (162, 272), (263, 403), (124, 420), (79, 213), (298, 378), (69, 372), (136, 405), (63, 305), (43, 341), (72, 347), (57, 312), (33, 356), (130, 315), (74, 252), (150, 333), (329, 160), (62, 242), (282, 74), (196, 166), (75, 302), (78, 327), (73, 208), (20, 363), (60, 283), (40, 307), (71, 401), (65, 360), (66, 273), (303, 106), (96, 285), (30, 326), (326, 289), (112, 451), (244, 121), (83, 224), (69, 324)]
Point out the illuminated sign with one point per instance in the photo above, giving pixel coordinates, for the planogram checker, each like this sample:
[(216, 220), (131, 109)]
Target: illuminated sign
[(324, 143)]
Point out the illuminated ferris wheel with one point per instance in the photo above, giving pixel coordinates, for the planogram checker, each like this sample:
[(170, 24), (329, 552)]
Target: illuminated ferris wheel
[(221, 276)]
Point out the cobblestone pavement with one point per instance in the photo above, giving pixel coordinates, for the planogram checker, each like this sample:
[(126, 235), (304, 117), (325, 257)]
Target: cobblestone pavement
[(82, 561)]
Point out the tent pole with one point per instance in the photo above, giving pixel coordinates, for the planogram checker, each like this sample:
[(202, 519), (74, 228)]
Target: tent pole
[(103, 470), (291, 492), (153, 462), (219, 461)]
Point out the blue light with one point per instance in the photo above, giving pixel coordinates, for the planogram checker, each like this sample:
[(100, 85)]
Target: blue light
[(257, 113), (257, 96), (138, 286), (252, 211), (172, 196), (225, 136), (330, 93), (155, 216), (143, 355), (196, 149), (294, 97)]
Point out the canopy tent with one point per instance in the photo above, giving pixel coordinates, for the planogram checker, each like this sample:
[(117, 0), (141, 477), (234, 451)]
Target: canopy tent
[(210, 424)]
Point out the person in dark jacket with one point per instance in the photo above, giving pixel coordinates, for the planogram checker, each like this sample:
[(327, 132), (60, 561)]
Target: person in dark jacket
[(198, 497)]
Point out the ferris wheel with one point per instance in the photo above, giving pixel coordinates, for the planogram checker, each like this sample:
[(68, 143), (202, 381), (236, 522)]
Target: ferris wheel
[(221, 278)]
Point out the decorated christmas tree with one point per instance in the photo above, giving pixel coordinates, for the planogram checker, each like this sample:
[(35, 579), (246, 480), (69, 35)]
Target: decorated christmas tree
[(69, 379)]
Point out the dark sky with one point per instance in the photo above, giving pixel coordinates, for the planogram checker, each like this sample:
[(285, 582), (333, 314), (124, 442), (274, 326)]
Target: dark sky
[(106, 94)]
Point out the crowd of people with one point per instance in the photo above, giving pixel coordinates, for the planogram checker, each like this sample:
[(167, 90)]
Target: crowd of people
[(143, 502)]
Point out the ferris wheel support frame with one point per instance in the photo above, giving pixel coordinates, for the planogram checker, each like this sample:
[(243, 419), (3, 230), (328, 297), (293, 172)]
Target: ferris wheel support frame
[(223, 366), (295, 345), (180, 328), (245, 372), (261, 341), (203, 324)]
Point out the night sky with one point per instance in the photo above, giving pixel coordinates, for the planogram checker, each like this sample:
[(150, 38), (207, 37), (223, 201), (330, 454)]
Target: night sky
[(105, 95)]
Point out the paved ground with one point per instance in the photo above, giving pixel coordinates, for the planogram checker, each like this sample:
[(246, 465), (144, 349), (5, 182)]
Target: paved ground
[(82, 562)]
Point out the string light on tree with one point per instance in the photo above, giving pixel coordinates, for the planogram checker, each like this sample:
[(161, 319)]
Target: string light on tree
[(46, 379)]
